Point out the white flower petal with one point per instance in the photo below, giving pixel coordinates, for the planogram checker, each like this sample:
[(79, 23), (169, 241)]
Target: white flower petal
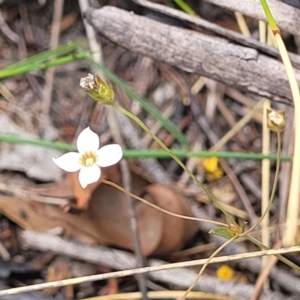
[(88, 175), (68, 162), (109, 155), (87, 82), (87, 140)]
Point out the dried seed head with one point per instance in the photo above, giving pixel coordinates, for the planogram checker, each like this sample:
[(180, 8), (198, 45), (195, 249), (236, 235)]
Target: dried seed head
[(98, 89), (88, 82), (275, 120)]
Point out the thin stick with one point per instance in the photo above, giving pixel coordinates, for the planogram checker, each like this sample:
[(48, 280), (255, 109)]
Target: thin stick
[(293, 203), (262, 31), (5, 29), (94, 45), (280, 257), (131, 272), (242, 24), (126, 180), (265, 184), (240, 124), (275, 183), (161, 295), (206, 264), (55, 30), (264, 273)]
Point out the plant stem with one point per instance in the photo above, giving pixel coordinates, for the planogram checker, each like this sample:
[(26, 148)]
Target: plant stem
[(145, 104), (159, 208), (293, 202), (279, 256), (206, 264), (274, 188), (180, 163)]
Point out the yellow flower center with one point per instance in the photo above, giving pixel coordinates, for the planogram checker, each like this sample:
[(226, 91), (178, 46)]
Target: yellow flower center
[(88, 159)]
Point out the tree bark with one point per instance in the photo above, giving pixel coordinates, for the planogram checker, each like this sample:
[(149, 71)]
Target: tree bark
[(286, 16), (194, 52)]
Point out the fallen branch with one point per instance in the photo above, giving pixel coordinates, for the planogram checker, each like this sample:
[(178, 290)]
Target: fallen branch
[(286, 16), (122, 260), (194, 52), (201, 24)]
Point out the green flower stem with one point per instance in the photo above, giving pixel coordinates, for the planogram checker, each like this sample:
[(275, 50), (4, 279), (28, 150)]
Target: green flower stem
[(180, 163), (147, 153), (274, 188)]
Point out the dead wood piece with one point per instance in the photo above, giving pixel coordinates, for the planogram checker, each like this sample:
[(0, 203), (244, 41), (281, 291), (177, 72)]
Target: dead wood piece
[(194, 52), (49, 76), (121, 260), (287, 17), (201, 24), (127, 183), (24, 296)]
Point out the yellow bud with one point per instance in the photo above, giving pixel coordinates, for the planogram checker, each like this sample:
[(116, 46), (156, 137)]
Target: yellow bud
[(214, 171), (226, 273), (211, 164), (275, 120), (98, 89), (213, 176)]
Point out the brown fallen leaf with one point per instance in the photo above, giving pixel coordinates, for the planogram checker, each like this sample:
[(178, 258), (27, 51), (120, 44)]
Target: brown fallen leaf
[(109, 211), (42, 217), (106, 219), (176, 232)]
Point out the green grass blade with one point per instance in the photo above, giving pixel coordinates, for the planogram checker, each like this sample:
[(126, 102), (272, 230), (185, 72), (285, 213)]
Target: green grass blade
[(45, 55), (36, 142), (146, 153), (185, 7), (43, 60)]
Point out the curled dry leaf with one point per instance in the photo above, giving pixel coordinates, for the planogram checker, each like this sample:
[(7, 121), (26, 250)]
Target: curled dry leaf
[(176, 232), (44, 218), (109, 210), (160, 233)]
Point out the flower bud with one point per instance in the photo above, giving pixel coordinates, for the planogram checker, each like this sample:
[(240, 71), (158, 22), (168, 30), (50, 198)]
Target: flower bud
[(98, 89), (213, 170), (275, 120)]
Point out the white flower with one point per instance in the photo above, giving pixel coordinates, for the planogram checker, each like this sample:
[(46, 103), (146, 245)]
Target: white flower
[(89, 157)]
